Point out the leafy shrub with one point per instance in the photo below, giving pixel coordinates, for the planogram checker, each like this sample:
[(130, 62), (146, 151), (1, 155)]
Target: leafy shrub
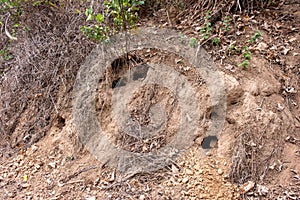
[(115, 15)]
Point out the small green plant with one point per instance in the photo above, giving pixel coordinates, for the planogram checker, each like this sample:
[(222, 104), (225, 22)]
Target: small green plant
[(96, 32), (233, 49), (70, 158), (5, 54), (206, 28), (216, 41), (8, 4), (193, 42), (123, 14), (37, 3), (207, 15), (181, 6), (247, 57), (181, 37), (244, 64), (226, 24), (11, 11), (256, 35)]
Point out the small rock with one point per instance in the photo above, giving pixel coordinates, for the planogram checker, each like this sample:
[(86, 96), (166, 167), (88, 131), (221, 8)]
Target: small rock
[(28, 197), (25, 185), (175, 170), (207, 189), (52, 165), (272, 166), (220, 195), (198, 28), (208, 153), (182, 164), (90, 198), (185, 180), (142, 197), (189, 172), (178, 61), (186, 68), (169, 184), (199, 140), (112, 177), (197, 167), (292, 39), (252, 144), (37, 166), (262, 46), (34, 148), (59, 184), (12, 194), (280, 107), (220, 171), (290, 90)]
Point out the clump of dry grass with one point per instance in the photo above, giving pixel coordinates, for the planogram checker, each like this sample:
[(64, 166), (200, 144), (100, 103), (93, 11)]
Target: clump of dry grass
[(45, 61), (256, 148)]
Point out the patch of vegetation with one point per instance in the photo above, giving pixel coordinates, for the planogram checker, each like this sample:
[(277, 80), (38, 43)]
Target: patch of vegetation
[(115, 16), (246, 53), (257, 35), (206, 28), (233, 49), (226, 23), (216, 41), (193, 42), (5, 54)]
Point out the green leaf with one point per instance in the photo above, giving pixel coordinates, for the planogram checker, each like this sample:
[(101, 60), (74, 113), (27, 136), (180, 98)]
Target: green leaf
[(247, 55), (193, 42), (100, 18), (90, 17), (244, 64), (216, 41), (17, 25), (88, 11)]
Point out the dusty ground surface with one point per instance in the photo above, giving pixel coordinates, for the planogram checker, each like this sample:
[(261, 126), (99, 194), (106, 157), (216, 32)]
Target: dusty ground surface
[(257, 155)]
